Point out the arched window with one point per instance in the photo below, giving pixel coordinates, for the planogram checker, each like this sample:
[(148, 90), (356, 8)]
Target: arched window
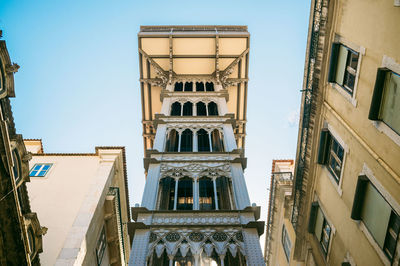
[(206, 194), (199, 86), (172, 141), (167, 193), (17, 164), (187, 140), (217, 140), (176, 108), (212, 108), (187, 109), (224, 195), (201, 109), (189, 86), (178, 86), (203, 140), (209, 86), (185, 194)]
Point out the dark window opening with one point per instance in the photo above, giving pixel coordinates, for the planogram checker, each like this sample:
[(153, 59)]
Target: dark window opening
[(185, 194), (223, 193), (199, 86), (187, 109), (203, 140), (167, 193), (201, 109), (217, 141), (176, 109), (187, 140), (189, 86), (206, 194), (178, 86), (212, 108), (172, 141), (209, 86)]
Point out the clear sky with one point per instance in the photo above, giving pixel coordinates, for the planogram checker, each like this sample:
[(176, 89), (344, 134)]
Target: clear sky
[(78, 86)]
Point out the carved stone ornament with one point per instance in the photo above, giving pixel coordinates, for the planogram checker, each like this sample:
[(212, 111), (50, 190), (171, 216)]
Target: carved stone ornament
[(194, 170), (12, 68), (197, 241)]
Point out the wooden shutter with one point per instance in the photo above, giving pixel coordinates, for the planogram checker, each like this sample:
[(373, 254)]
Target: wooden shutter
[(378, 93), (359, 197), (312, 218), (323, 150), (333, 62)]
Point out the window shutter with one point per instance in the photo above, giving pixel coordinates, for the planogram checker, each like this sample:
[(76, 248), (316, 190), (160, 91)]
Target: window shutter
[(324, 141), (333, 62), (313, 217), (359, 196), (378, 93)]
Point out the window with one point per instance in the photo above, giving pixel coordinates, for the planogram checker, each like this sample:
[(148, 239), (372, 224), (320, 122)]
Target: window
[(189, 86), (343, 67), (206, 194), (203, 140), (331, 154), (209, 86), (167, 193), (187, 109), (286, 244), (201, 109), (217, 141), (224, 195), (185, 194), (172, 144), (40, 169), (176, 109), (187, 140), (212, 108), (178, 86), (101, 246), (385, 104), (199, 86), (382, 222), (320, 227)]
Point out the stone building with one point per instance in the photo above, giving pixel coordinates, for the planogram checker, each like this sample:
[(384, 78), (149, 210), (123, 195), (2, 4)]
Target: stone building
[(279, 233), (20, 231), (82, 198), (195, 208), (346, 195)]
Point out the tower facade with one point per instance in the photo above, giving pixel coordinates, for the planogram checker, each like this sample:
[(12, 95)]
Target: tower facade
[(195, 208)]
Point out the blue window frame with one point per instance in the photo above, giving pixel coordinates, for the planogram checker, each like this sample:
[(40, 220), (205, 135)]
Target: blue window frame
[(40, 169)]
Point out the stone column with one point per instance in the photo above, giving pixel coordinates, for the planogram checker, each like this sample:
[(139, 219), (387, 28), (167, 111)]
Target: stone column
[(176, 193), (215, 194), (159, 140), (229, 137), (151, 188), (195, 142)]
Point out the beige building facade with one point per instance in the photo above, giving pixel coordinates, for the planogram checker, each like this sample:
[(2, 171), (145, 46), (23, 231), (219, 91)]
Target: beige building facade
[(83, 201), (346, 190)]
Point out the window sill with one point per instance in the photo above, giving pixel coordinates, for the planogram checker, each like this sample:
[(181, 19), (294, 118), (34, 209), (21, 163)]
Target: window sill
[(383, 128), (345, 94), (371, 240)]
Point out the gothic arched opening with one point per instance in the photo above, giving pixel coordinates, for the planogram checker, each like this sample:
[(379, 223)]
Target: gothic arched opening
[(187, 109), (201, 109), (209, 86), (187, 140), (185, 194), (206, 194), (178, 86), (167, 193), (189, 86), (217, 141), (224, 195), (212, 108), (199, 86), (172, 141), (203, 140), (176, 109)]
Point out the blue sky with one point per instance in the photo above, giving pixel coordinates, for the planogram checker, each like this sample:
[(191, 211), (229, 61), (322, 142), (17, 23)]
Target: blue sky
[(78, 86)]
